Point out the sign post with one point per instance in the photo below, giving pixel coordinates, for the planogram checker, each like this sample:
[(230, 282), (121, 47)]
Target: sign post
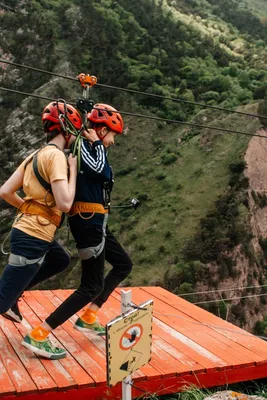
[(129, 341), (126, 300)]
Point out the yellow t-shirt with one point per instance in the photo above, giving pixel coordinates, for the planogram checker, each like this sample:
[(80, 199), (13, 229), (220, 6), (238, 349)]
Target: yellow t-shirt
[(52, 165)]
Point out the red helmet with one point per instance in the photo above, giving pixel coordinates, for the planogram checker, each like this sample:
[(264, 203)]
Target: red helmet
[(52, 111), (106, 115)]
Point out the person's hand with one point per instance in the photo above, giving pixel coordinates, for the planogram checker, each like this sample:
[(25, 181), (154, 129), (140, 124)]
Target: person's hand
[(72, 161), (91, 135)]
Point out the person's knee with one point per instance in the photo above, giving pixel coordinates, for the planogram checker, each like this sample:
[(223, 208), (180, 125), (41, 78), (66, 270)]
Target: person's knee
[(66, 258), (92, 291), (127, 268)]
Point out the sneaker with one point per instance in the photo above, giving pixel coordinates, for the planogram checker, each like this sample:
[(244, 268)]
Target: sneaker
[(13, 313), (82, 326), (43, 348)]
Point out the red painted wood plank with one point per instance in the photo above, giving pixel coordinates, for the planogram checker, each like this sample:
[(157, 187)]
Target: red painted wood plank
[(79, 359), (246, 340), (191, 353), (210, 340), (78, 373), (6, 386), (54, 367), (166, 385), (20, 378), (35, 369), (243, 354), (97, 343), (104, 315), (155, 386)]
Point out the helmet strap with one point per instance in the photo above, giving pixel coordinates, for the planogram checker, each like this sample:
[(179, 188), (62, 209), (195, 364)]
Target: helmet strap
[(67, 139)]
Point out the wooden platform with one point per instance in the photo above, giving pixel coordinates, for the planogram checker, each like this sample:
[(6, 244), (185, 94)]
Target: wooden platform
[(190, 346)]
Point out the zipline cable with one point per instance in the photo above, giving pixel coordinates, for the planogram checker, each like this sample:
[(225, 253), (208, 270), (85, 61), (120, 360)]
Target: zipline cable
[(27, 94), (173, 121), (230, 298), (139, 92)]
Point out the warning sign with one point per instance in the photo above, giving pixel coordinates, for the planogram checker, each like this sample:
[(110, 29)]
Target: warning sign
[(129, 340)]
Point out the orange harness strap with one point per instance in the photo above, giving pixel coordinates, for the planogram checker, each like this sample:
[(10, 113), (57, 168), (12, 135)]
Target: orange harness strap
[(32, 207), (83, 207)]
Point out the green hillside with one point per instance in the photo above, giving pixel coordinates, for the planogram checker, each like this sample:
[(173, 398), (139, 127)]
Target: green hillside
[(190, 181)]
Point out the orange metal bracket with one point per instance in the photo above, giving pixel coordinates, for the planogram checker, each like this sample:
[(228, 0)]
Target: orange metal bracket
[(87, 80)]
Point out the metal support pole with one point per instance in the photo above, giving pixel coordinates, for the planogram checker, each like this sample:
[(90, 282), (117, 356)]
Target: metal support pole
[(126, 300)]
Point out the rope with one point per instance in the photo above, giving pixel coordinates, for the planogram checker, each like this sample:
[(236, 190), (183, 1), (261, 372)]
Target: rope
[(221, 290), (150, 117), (138, 388), (138, 92)]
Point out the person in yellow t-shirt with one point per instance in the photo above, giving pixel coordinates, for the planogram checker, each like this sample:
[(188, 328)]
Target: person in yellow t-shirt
[(35, 255)]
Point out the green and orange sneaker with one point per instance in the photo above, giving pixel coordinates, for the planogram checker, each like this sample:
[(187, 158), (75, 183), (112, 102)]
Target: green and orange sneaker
[(96, 328), (43, 348)]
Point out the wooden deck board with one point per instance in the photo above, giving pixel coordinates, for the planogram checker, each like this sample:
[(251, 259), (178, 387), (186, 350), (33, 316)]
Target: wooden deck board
[(190, 325), (34, 367), (43, 307), (246, 340), (190, 345), (19, 376)]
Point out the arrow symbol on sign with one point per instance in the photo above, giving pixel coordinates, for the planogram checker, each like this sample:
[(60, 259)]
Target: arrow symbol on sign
[(124, 366)]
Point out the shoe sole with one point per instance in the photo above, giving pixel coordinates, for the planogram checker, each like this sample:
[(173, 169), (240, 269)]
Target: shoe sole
[(11, 318), (43, 353), (88, 330)]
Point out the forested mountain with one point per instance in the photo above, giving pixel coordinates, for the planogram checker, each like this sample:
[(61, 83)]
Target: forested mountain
[(193, 228)]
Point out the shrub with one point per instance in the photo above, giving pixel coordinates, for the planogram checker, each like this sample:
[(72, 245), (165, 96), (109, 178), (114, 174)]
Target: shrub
[(160, 176), (263, 245), (168, 158)]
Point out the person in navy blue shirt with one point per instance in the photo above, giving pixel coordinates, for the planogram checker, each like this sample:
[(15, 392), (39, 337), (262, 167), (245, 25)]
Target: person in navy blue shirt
[(88, 219)]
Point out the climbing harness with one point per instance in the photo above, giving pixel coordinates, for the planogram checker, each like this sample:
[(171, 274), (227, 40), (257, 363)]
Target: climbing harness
[(33, 207), (84, 207)]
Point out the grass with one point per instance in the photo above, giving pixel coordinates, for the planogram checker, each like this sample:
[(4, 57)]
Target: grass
[(176, 203)]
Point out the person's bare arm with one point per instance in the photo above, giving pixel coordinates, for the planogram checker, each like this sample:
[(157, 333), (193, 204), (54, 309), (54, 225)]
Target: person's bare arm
[(63, 190), (9, 188)]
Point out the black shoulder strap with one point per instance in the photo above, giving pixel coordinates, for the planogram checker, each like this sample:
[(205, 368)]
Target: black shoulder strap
[(41, 180)]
